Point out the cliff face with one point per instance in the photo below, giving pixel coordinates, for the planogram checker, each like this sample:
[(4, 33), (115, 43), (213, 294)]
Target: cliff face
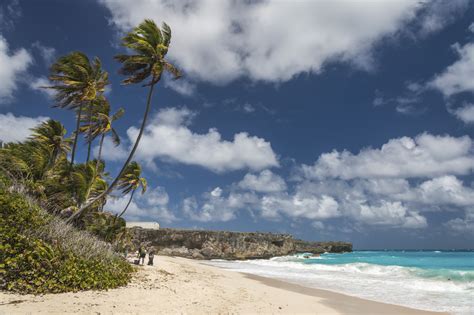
[(229, 245)]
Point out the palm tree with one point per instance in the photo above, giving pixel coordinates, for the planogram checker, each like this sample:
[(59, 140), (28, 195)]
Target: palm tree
[(37, 155), (78, 81), (151, 45), (100, 123), (87, 183), (131, 181), (49, 135)]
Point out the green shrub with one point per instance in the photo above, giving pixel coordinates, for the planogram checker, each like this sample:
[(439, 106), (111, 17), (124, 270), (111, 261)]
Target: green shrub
[(33, 262)]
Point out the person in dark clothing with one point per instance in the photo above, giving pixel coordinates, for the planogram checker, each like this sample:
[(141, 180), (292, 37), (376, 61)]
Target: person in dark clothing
[(151, 255), (141, 255)]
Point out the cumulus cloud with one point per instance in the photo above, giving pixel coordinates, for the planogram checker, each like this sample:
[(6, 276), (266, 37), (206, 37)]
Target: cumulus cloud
[(212, 206), (300, 206), (271, 40), (169, 138), (266, 181), (461, 226), (457, 77), (152, 206), (425, 155), (444, 190), (391, 214), (17, 128), (465, 113), (391, 187), (367, 202), (12, 66)]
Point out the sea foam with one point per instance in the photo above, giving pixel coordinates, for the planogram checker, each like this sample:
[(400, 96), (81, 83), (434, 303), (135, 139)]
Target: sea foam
[(436, 289)]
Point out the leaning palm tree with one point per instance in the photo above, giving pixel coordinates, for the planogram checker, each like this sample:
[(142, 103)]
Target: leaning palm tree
[(150, 44), (130, 182), (78, 81), (100, 123), (50, 136)]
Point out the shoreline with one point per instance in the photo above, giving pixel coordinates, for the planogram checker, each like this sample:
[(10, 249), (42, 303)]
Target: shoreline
[(341, 302), (180, 285)]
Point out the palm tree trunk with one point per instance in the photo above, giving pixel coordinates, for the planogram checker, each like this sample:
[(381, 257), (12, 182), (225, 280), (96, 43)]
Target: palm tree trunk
[(129, 159), (88, 151), (128, 204), (101, 143), (78, 123), (89, 131), (99, 156)]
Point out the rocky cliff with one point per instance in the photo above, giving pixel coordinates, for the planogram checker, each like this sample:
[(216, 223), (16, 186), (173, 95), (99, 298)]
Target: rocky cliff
[(229, 245)]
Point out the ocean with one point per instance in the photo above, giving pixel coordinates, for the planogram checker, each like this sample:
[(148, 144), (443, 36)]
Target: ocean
[(428, 280)]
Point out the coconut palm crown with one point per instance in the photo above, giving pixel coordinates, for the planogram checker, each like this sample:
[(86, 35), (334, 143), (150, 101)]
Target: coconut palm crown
[(131, 179), (130, 182), (151, 46), (76, 79)]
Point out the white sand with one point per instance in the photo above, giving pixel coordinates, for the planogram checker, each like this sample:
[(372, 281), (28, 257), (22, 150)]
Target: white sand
[(178, 285)]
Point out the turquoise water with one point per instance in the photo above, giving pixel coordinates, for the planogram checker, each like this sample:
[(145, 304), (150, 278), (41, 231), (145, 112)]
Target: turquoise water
[(429, 280), (444, 265)]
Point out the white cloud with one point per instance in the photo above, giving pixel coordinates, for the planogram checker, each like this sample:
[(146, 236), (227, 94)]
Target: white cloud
[(461, 226), (248, 108), (12, 67), (214, 207), (424, 156), (440, 14), (465, 113), (268, 40), (39, 83), (365, 202), (375, 188), (110, 152), (17, 128), (181, 86), (457, 77), (266, 181), (445, 190), (391, 214), (10, 12), (471, 27), (318, 225), (299, 206), (47, 53), (153, 205), (169, 138)]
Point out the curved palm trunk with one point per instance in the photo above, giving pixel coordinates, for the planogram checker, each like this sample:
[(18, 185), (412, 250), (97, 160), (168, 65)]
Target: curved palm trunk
[(101, 143), (88, 151), (128, 204), (89, 143), (129, 159), (78, 123)]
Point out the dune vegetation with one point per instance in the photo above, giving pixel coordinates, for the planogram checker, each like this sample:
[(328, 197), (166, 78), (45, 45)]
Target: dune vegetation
[(56, 234)]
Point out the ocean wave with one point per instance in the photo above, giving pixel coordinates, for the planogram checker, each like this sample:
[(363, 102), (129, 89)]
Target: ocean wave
[(436, 289)]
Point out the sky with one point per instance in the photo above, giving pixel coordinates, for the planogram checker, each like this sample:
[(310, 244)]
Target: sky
[(330, 120)]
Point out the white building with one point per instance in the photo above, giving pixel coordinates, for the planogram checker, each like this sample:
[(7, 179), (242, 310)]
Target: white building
[(145, 225)]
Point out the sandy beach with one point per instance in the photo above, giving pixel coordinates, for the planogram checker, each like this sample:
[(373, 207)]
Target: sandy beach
[(178, 285)]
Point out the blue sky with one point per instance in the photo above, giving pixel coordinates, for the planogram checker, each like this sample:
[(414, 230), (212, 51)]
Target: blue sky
[(325, 119)]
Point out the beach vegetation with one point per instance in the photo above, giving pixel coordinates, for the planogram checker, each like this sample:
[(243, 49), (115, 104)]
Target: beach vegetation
[(56, 234)]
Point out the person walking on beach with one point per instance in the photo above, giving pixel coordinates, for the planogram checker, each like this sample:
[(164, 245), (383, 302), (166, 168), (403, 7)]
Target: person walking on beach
[(151, 255), (141, 254)]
